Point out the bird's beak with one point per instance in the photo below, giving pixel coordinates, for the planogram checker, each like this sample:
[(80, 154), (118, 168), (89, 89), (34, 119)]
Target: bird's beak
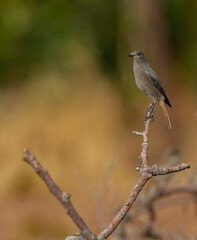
[(132, 55)]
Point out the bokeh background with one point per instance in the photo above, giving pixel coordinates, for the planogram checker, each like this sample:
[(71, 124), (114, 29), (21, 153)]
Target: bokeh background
[(67, 93)]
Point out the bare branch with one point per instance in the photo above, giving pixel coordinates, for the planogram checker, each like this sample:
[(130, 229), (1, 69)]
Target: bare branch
[(63, 197), (75, 237), (146, 173), (155, 170), (125, 208), (165, 192)]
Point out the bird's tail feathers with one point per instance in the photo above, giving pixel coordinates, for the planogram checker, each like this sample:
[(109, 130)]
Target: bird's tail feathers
[(163, 106)]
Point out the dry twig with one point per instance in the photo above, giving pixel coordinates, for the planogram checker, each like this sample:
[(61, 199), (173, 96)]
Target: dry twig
[(63, 197)]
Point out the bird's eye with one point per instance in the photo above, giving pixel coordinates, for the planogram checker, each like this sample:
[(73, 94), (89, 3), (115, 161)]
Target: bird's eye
[(139, 54)]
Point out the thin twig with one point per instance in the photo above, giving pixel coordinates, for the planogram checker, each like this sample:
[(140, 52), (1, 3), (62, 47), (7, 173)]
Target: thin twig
[(155, 170), (165, 192)]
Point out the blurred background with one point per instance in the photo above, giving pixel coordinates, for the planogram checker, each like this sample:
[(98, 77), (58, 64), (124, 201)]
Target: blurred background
[(67, 93)]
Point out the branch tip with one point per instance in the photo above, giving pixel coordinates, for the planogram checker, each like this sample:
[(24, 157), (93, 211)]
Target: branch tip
[(138, 133)]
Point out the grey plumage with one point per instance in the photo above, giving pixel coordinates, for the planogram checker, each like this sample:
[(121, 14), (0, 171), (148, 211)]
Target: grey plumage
[(148, 81)]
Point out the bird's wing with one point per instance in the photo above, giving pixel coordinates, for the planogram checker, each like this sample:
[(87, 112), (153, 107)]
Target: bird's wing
[(156, 82)]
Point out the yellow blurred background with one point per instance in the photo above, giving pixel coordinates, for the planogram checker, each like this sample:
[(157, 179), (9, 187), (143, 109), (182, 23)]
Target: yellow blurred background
[(68, 94)]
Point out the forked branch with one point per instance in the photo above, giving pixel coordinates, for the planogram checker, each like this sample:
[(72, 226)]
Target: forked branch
[(146, 172)]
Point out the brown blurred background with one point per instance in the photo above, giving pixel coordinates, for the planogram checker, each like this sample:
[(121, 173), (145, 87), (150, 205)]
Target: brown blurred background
[(68, 94)]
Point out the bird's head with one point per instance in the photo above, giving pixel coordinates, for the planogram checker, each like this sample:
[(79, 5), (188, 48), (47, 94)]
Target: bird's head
[(137, 56)]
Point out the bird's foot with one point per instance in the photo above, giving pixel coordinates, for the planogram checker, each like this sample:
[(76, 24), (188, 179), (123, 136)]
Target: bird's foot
[(150, 112), (148, 117)]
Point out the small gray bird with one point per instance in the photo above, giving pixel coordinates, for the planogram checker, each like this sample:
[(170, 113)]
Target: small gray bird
[(149, 83)]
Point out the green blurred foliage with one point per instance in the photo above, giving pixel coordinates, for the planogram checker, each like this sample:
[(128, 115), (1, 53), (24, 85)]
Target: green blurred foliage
[(182, 22), (35, 34), (41, 34)]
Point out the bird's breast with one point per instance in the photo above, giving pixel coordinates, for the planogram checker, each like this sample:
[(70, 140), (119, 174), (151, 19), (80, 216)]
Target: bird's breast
[(145, 84)]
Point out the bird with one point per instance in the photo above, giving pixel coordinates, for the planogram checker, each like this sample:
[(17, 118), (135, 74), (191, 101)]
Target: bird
[(148, 82)]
